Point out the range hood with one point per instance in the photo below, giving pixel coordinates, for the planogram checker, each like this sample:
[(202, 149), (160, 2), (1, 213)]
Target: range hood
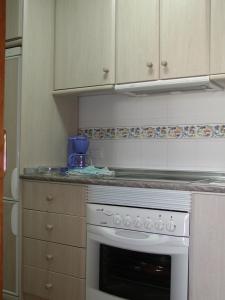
[(170, 85)]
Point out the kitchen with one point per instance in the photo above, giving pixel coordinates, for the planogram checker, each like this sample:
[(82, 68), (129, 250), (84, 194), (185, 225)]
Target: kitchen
[(75, 69)]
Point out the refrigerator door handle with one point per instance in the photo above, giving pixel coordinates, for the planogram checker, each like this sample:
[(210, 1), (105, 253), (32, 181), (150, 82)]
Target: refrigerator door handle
[(14, 184), (14, 219)]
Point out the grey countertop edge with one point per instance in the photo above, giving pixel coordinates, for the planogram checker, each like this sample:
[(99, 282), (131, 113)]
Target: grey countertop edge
[(154, 184)]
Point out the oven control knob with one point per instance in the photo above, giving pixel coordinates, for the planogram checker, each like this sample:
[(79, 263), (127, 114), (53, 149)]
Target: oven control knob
[(117, 219), (127, 221), (171, 226), (159, 225), (137, 222), (148, 224)]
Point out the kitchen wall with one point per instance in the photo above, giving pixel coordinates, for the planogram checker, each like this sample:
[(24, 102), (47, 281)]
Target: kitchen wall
[(170, 131)]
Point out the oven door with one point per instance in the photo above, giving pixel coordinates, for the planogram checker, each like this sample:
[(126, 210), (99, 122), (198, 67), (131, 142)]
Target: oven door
[(124, 264)]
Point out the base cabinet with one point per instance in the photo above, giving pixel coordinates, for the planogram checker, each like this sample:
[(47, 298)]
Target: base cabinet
[(53, 243), (207, 247)]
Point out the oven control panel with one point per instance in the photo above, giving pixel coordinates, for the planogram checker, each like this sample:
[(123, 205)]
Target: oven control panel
[(139, 219)]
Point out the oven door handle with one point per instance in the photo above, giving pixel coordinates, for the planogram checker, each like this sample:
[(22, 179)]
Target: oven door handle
[(133, 240)]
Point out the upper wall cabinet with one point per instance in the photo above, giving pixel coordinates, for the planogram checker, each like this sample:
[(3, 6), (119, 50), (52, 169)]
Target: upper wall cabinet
[(217, 52), (13, 19), (84, 43), (154, 39), (137, 40), (161, 39), (184, 38)]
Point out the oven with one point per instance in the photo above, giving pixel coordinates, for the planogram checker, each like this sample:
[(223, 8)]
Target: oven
[(136, 253)]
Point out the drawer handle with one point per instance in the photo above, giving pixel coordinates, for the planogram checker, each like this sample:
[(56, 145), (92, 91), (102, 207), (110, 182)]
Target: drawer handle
[(49, 227), (48, 286), (49, 198), (49, 257)]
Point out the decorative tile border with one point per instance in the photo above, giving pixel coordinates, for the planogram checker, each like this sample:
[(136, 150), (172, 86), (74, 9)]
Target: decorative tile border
[(156, 132)]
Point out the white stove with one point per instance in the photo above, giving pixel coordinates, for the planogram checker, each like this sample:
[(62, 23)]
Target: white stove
[(135, 249)]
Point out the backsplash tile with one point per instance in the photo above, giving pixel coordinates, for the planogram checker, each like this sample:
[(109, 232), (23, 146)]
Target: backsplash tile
[(170, 131), (156, 132)]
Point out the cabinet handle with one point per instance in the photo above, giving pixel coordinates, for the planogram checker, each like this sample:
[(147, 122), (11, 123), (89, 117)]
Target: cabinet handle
[(49, 227), (49, 257), (49, 198), (164, 63), (48, 286), (150, 65), (105, 70)]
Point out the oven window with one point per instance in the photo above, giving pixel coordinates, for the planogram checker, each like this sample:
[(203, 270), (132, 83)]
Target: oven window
[(134, 275)]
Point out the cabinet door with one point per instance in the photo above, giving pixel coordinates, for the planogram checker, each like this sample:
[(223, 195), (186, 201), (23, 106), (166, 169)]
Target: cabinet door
[(13, 19), (137, 40), (184, 38), (207, 248), (217, 54), (85, 43)]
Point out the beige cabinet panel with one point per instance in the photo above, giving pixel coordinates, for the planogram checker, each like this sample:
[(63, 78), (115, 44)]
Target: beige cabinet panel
[(12, 68), (58, 198), (9, 250), (34, 253), (36, 282), (66, 259), (184, 38), (31, 297), (85, 43), (64, 229), (66, 288), (13, 19), (137, 40), (34, 224), (217, 53), (68, 230), (54, 257), (207, 248), (42, 284)]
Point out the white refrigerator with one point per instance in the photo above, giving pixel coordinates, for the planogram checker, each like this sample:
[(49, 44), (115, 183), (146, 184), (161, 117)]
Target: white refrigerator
[(11, 203)]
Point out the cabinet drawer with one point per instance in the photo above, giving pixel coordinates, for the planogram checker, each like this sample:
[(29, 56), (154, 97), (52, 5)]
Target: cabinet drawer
[(34, 282), (52, 197), (54, 257), (66, 287), (34, 224), (58, 228), (53, 286)]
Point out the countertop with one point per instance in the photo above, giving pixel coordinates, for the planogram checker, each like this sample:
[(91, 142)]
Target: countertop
[(213, 182)]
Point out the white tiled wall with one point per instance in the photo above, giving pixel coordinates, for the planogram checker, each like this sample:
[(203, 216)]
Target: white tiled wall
[(180, 109)]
